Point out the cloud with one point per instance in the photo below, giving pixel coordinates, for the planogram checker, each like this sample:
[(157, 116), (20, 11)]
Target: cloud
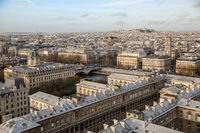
[(85, 15), (61, 18), (120, 23), (161, 2), (182, 16), (156, 22), (119, 15), (28, 1), (122, 3), (196, 5)]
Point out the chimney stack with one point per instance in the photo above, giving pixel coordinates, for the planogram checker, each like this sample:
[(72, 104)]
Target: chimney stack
[(146, 107), (154, 103), (105, 126), (115, 122), (122, 124)]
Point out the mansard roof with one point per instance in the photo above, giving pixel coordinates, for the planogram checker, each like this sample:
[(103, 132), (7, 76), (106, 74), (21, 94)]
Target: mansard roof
[(14, 82)]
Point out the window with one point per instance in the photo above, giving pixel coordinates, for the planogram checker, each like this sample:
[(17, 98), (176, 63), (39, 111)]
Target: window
[(198, 117), (198, 127), (189, 116), (189, 125), (41, 129), (181, 113)]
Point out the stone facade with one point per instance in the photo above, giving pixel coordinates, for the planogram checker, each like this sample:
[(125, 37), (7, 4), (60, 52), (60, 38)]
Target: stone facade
[(168, 46), (35, 74), (131, 59), (156, 63), (188, 67), (13, 99), (95, 110), (122, 79), (86, 88)]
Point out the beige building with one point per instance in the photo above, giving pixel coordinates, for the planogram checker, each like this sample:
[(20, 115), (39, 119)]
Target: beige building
[(132, 125), (122, 79), (91, 112), (156, 63), (33, 58), (13, 99), (168, 47), (86, 88), (110, 40), (95, 112), (188, 66), (41, 101), (23, 52), (35, 74), (177, 109), (131, 59), (84, 56)]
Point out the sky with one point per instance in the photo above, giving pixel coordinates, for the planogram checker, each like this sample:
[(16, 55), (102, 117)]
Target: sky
[(98, 15)]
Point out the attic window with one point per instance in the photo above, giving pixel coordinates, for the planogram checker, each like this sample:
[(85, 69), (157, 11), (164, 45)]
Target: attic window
[(24, 124)]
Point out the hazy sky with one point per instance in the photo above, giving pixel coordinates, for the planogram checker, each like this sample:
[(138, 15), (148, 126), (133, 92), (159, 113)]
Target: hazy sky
[(98, 15)]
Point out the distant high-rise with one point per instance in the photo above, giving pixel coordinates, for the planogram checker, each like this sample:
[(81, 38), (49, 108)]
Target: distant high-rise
[(168, 41)]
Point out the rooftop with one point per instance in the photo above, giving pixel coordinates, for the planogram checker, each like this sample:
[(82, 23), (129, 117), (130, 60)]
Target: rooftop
[(131, 125), (92, 85), (124, 76), (45, 97), (17, 125), (42, 67)]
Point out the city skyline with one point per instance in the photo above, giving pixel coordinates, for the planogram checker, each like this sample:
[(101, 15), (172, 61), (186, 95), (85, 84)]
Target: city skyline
[(104, 15)]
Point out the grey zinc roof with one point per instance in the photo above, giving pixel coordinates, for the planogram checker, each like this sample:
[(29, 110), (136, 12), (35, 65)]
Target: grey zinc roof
[(69, 105), (33, 53), (45, 97), (15, 82), (38, 68)]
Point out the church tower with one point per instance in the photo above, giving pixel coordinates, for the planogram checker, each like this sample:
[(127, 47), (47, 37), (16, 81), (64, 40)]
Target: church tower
[(33, 58), (168, 48)]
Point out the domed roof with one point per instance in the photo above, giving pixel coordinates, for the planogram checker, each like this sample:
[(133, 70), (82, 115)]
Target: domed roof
[(33, 53)]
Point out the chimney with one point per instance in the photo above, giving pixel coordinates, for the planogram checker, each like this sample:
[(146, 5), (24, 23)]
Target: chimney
[(143, 124), (154, 103), (112, 129), (122, 124), (153, 109), (146, 107), (36, 113), (105, 126), (187, 90), (192, 88), (161, 105), (115, 122), (169, 100), (162, 100)]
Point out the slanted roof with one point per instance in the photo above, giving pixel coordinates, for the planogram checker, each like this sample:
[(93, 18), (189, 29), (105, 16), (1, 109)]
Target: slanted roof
[(15, 82)]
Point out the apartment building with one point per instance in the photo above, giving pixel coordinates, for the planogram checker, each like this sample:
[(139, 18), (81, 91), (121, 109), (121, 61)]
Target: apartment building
[(13, 99)]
